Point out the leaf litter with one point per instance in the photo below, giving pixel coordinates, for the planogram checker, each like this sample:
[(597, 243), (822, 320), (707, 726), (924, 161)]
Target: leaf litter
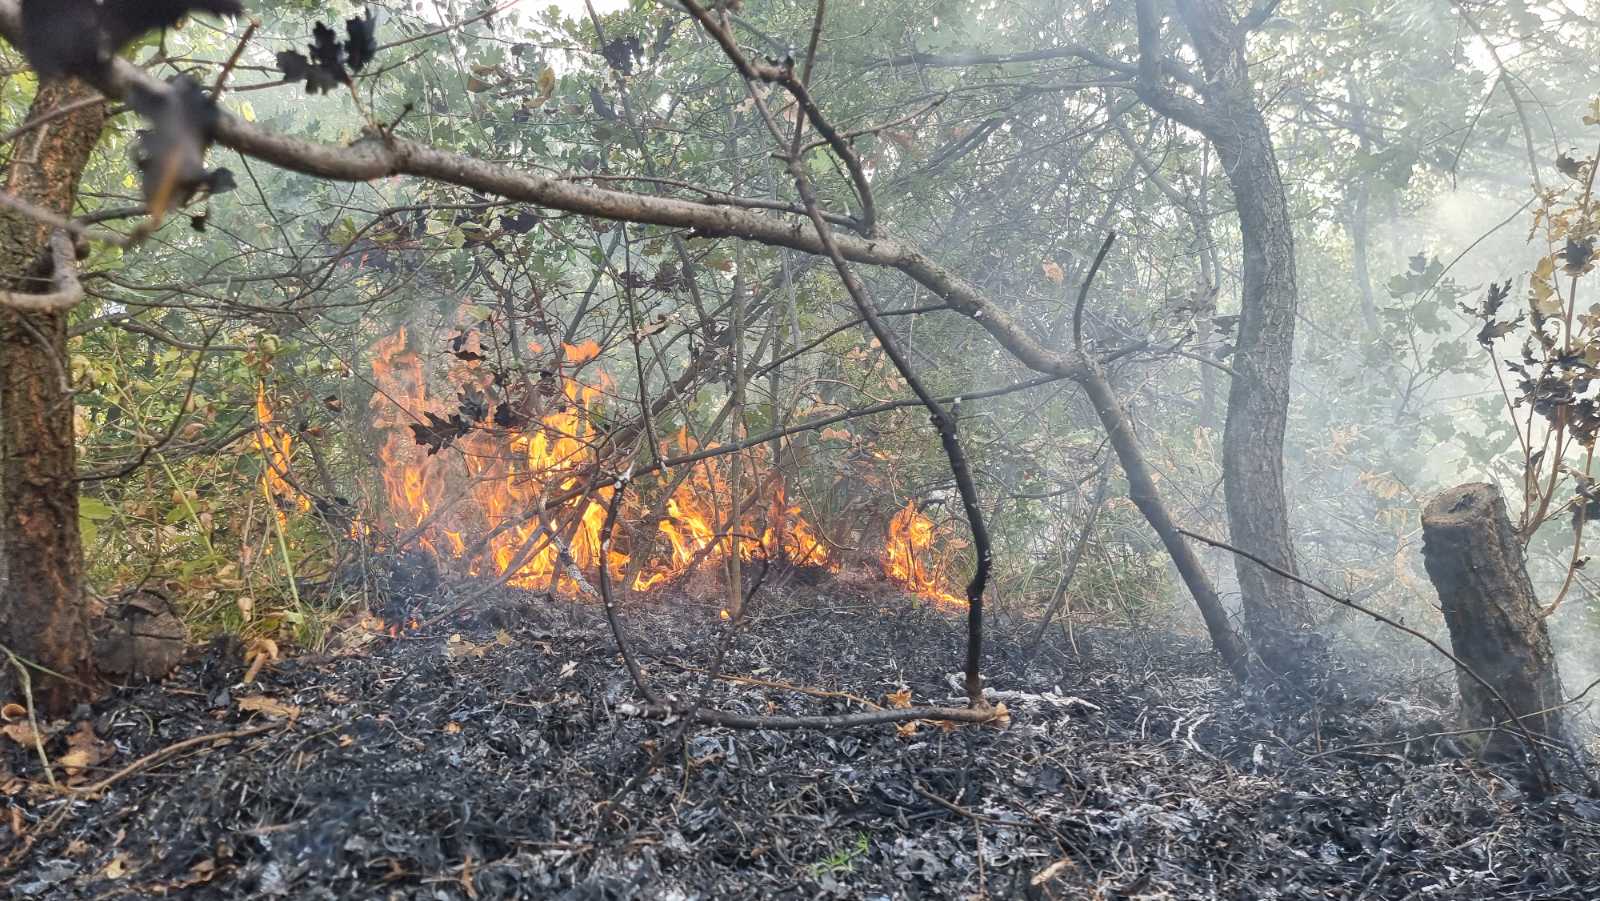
[(489, 755)]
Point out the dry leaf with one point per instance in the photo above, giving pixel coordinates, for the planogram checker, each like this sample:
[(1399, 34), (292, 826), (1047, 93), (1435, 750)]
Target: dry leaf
[(117, 868), (899, 700), (262, 646), (84, 750), (346, 739), (12, 712), (456, 647), (452, 728), (1053, 272), (268, 707), (1002, 716), (906, 729), (1051, 872), (567, 669), (21, 733)]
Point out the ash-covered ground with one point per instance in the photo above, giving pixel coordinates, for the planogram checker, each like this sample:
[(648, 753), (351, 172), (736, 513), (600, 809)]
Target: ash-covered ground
[(490, 755)]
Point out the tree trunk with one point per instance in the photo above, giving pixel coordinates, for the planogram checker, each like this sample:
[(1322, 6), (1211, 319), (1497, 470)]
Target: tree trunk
[(1276, 611), (42, 615), (1496, 626)]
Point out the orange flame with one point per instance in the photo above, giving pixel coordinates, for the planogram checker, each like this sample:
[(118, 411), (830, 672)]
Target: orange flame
[(489, 499), (918, 553), (276, 444)]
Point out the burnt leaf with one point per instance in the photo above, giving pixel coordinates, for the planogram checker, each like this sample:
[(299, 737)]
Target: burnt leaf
[(474, 405), (324, 70), (438, 433), (64, 38), (1492, 331), (621, 53), (521, 223), (508, 416), (1577, 254), (361, 45), (1568, 166), (666, 277), (1497, 296), (171, 153), (458, 348)]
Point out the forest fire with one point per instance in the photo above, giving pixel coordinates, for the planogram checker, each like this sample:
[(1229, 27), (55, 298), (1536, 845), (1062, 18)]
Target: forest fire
[(276, 444), (911, 558), (495, 500)]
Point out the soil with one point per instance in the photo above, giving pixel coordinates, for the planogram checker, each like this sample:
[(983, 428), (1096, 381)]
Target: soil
[(492, 753)]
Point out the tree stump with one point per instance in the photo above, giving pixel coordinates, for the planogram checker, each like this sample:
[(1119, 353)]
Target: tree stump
[(139, 637), (1476, 563)]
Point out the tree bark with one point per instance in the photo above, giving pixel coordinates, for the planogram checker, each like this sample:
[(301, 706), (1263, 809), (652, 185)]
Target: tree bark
[(1276, 610), (1475, 560), (42, 615)]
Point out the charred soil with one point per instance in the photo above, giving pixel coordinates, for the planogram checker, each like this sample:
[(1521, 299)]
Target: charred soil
[(492, 754)]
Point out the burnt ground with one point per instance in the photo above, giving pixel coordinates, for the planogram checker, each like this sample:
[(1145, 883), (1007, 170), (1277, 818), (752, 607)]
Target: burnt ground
[(474, 758)]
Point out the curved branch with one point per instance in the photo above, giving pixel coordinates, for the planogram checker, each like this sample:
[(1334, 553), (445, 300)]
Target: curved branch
[(68, 292)]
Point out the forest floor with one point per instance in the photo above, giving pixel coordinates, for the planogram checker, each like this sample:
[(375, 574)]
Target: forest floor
[(475, 758)]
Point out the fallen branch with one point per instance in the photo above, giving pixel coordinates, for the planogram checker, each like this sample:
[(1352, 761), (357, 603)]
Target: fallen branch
[(975, 715), (157, 756)]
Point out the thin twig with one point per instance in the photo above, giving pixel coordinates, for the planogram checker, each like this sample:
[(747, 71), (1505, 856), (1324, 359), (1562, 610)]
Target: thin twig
[(33, 718)]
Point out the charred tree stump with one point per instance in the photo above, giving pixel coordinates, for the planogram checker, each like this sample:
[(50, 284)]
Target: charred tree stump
[(1476, 563)]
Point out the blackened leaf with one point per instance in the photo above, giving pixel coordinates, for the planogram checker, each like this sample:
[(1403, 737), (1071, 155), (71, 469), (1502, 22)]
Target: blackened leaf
[(507, 416), (294, 65), (327, 54), (521, 223), (362, 45), (474, 405), (198, 222), (1497, 296), (79, 37), (1568, 166), (620, 53), (666, 277), (324, 69), (458, 347), (1578, 253), (171, 152), (437, 433), (1492, 330)]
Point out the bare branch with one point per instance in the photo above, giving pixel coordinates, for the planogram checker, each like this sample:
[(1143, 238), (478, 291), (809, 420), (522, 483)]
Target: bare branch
[(68, 292)]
